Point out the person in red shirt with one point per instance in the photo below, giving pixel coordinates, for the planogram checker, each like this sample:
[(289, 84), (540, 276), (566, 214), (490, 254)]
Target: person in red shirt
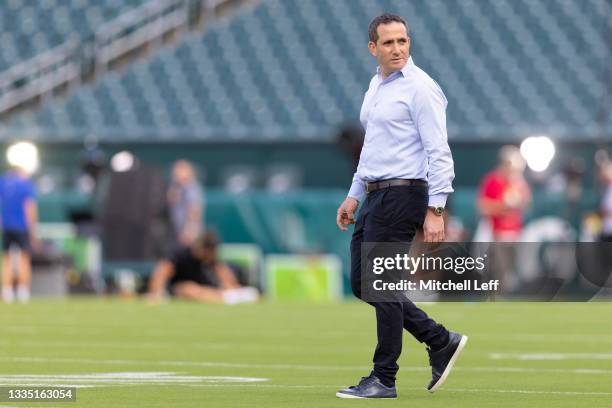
[(504, 195)]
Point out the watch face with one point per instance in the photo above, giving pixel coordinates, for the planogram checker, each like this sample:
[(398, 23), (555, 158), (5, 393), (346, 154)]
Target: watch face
[(439, 210)]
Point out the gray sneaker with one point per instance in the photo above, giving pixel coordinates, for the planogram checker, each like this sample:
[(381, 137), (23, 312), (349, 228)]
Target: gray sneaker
[(368, 387)]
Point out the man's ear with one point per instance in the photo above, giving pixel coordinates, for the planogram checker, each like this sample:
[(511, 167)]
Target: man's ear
[(372, 48)]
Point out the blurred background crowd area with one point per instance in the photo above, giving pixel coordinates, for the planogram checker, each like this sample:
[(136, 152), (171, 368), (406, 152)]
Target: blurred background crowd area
[(249, 109)]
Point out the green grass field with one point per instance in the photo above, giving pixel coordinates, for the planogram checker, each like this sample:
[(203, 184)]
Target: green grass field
[(171, 355)]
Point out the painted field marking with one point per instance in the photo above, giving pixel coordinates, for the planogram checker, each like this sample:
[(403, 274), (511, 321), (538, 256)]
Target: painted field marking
[(21, 343), (220, 364), (477, 390), (138, 378), (550, 356), (122, 378), (148, 332), (501, 391)]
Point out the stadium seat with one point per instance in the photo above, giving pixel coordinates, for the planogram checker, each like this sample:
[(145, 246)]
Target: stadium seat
[(293, 69), (30, 27)]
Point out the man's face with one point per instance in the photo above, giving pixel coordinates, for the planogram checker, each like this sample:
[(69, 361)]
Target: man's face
[(392, 48), (182, 173), (205, 253)]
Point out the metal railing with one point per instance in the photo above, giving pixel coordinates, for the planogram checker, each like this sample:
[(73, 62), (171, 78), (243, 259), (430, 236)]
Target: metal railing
[(39, 75), (66, 64)]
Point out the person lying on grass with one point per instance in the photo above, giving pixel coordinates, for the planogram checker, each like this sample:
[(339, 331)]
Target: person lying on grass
[(196, 273)]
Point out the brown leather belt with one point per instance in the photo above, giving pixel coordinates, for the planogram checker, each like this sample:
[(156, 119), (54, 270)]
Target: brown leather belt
[(377, 185)]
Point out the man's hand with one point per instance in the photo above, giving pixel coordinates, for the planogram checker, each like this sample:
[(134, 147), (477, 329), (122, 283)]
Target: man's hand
[(154, 298), (35, 243), (433, 227), (346, 213), (186, 238)]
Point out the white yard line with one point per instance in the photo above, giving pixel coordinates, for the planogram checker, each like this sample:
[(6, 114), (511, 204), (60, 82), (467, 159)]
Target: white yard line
[(122, 378), (44, 360), (81, 328), (104, 344), (329, 386), (471, 390), (545, 338), (24, 343), (501, 391), (171, 378), (550, 356), (221, 364), (149, 332)]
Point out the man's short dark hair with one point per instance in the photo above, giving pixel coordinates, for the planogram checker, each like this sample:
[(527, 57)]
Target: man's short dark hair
[(383, 19), (208, 240)]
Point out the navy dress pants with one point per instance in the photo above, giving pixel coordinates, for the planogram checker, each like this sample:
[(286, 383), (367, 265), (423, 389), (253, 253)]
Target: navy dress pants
[(393, 214)]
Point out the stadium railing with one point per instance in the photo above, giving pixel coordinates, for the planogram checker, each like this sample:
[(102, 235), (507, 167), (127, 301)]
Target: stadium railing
[(64, 66)]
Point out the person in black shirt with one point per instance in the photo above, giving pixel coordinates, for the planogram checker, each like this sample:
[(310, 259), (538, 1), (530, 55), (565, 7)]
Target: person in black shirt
[(196, 273)]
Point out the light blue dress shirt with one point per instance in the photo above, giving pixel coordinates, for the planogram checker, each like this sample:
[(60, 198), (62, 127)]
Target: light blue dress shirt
[(404, 117)]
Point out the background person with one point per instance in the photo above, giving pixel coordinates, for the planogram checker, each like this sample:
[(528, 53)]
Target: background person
[(504, 195), (605, 176), (196, 273), (19, 218), (185, 199)]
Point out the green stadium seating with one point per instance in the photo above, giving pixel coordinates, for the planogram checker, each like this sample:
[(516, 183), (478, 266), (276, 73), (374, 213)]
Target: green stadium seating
[(30, 27), (287, 70)]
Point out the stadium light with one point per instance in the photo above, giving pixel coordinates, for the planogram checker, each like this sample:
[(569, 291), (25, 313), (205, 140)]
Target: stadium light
[(538, 152), (23, 155), (122, 161)]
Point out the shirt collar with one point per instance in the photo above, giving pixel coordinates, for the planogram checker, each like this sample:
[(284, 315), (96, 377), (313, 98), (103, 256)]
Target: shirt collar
[(404, 71), (409, 65)]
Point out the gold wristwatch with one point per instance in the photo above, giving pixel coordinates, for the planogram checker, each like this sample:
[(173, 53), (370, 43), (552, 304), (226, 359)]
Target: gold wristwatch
[(439, 211)]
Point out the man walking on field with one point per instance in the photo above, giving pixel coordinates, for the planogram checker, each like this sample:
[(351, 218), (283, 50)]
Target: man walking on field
[(405, 174)]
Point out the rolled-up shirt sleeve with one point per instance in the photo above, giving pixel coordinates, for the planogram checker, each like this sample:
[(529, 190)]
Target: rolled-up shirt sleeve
[(429, 106), (357, 190)]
